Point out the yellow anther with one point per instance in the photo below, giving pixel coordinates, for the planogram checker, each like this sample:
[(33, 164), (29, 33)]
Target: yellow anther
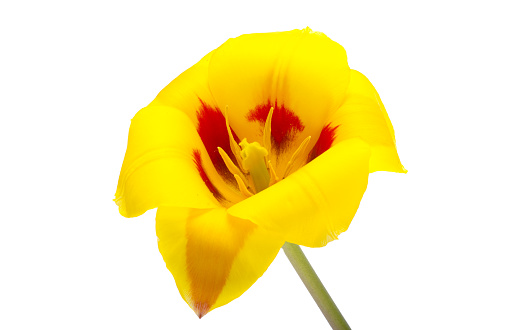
[(230, 165), (267, 131), (253, 155), (296, 154), (273, 176), (254, 171), (233, 145), (242, 187)]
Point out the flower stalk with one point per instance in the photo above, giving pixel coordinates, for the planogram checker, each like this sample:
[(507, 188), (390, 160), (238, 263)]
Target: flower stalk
[(315, 287)]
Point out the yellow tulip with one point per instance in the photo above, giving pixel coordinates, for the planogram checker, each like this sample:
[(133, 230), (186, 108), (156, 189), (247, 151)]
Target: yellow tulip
[(268, 139)]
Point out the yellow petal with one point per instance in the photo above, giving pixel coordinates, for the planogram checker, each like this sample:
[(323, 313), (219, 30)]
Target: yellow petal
[(214, 257), (316, 203), (160, 169), (302, 73), (188, 90), (190, 93), (363, 116)]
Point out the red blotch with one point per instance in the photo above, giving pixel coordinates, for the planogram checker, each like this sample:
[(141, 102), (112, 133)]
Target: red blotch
[(196, 154), (325, 141), (212, 129), (285, 123)]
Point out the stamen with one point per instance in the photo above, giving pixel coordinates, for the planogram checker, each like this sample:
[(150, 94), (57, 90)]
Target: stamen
[(242, 187), (255, 171), (233, 145), (230, 165), (296, 154), (273, 176), (267, 131)]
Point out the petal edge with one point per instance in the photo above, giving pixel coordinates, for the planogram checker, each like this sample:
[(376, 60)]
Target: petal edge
[(363, 116), (312, 206)]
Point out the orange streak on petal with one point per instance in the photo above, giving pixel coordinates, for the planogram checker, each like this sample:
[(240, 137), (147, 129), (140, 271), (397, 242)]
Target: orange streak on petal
[(213, 242)]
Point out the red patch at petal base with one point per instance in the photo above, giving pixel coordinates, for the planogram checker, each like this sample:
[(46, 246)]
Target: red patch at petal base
[(212, 130), (285, 123), (325, 141)]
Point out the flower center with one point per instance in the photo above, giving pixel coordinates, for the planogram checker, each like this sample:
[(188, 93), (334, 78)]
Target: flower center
[(253, 156), (254, 167)]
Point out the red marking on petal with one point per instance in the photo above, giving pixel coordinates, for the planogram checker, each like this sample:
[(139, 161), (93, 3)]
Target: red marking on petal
[(285, 123), (325, 141), (212, 129), (196, 154)]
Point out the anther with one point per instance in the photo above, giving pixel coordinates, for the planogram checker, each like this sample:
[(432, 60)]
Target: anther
[(230, 165), (296, 154), (267, 131), (273, 176), (236, 150), (242, 187)]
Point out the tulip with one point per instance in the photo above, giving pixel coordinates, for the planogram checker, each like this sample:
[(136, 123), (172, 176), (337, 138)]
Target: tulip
[(268, 139)]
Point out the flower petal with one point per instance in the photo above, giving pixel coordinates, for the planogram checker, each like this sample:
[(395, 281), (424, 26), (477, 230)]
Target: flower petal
[(363, 116), (214, 257), (302, 74), (190, 93), (166, 164), (316, 203), (189, 90)]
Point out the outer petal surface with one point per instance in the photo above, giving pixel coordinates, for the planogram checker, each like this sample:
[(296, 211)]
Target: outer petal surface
[(316, 203), (188, 90), (363, 116), (214, 257), (159, 167), (304, 71)]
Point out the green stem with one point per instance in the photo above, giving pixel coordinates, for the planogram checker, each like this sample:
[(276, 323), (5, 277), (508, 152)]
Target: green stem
[(315, 287)]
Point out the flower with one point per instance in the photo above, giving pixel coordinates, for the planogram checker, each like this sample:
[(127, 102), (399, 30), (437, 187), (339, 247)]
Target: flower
[(269, 138)]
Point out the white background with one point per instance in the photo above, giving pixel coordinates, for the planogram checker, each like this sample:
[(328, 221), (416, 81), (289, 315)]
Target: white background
[(437, 248)]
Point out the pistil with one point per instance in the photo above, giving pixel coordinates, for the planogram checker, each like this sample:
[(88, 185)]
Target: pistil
[(254, 164), (253, 156)]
